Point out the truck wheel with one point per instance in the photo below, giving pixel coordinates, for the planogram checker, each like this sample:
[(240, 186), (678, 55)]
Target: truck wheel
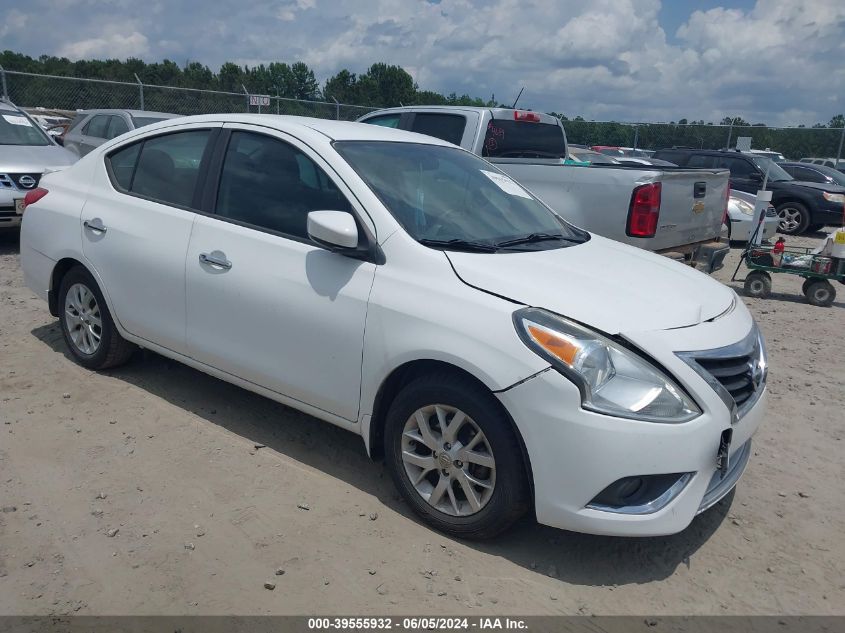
[(758, 284), (87, 326), (452, 453), (794, 218), (820, 293)]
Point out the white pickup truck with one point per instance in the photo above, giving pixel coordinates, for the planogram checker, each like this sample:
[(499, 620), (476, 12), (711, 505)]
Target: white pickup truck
[(673, 211)]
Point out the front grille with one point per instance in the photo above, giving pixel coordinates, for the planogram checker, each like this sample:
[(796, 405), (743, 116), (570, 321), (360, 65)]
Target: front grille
[(13, 181), (734, 374), (737, 372)]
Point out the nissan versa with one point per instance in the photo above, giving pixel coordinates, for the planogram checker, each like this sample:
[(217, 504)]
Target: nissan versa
[(497, 358)]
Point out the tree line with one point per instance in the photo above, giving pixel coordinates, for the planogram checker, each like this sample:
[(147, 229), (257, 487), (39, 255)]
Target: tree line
[(382, 85)]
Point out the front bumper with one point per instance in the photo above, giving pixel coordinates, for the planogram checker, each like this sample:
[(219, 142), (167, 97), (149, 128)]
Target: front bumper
[(575, 454), (8, 216)]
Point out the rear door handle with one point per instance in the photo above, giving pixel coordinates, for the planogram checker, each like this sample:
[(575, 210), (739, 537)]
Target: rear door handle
[(216, 259), (94, 225)]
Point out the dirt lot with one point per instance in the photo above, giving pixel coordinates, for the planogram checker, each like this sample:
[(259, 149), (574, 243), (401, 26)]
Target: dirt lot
[(167, 456)]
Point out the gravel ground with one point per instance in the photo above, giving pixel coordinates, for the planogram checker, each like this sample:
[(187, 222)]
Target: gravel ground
[(154, 488)]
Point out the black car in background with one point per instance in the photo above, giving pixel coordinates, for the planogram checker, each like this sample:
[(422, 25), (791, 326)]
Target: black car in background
[(809, 172), (802, 206)]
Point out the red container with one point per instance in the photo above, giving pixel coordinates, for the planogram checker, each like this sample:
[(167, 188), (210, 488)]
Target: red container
[(821, 265)]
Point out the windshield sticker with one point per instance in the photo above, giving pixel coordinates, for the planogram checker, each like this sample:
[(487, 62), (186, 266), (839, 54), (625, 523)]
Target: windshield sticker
[(506, 184), (17, 120)]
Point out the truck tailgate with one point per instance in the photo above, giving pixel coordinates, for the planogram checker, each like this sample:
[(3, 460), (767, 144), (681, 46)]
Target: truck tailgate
[(692, 205)]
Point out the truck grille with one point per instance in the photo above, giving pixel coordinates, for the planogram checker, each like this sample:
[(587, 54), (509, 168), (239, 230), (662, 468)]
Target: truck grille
[(737, 372)]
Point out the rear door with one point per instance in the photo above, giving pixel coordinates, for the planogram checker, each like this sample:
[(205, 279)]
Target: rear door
[(136, 224), (743, 173), (94, 133)]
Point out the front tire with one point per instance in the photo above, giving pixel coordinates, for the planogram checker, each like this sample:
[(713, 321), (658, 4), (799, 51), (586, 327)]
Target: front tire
[(87, 325), (454, 457), (758, 284), (794, 218)]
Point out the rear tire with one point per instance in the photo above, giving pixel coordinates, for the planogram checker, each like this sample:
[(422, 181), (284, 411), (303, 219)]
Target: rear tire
[(87, 325), (794, 218), (758, 284), (820, 293), (428, 457)]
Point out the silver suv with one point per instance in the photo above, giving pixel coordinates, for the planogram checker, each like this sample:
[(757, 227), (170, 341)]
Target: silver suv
[(26, 152), (92, 128)]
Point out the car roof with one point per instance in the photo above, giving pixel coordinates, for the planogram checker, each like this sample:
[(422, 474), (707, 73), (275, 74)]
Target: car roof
[(135, 113), (497, 113), (333, 130)]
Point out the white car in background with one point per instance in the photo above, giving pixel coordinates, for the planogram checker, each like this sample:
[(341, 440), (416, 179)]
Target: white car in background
[(741, 217), (395, 285)]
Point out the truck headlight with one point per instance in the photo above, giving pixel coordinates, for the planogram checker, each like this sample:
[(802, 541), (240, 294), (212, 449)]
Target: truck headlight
[(834, 197), (612, 379)]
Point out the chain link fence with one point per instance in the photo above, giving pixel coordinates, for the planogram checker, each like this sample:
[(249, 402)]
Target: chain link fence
[(69, 94), (792, 142)]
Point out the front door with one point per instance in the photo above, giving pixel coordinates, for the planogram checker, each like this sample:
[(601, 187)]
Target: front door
[(264, 303)]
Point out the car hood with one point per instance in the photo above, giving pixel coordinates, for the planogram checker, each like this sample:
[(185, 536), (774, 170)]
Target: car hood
[(603, 284), (34, 158), (818, 186)]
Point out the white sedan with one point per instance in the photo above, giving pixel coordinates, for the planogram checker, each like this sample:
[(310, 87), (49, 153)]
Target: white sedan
[(741, 217), (497, 358)]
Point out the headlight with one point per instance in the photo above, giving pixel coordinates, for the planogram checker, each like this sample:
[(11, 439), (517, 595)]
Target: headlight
[(612, 379), (744, 207), (834, 197)]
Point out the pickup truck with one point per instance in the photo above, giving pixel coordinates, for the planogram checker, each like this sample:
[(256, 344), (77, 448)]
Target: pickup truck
[(673, 211)]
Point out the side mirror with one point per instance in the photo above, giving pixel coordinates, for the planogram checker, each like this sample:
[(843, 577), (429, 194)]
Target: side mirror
[(334, 229)]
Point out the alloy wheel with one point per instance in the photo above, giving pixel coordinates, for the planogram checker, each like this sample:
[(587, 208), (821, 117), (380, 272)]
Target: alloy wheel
[(83, 319), (790, 219), (448, 460)]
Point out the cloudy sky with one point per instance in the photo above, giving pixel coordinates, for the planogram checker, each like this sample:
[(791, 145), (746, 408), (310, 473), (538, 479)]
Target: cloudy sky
[(773, 61)]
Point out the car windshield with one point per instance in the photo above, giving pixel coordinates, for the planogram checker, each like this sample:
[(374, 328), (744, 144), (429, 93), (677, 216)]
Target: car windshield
[(141, 121), (776, 172), (448, 198), (17, 129)]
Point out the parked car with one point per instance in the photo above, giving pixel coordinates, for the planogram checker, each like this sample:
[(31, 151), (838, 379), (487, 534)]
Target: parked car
[(406, 290), (801, 206), (814, 173), (673, 211), (57, 132), (92, 128), (826, 162), (26, 152), (741, 217)]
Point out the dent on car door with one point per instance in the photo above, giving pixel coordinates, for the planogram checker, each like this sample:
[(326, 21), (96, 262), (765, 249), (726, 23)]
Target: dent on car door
[(264, 303), (136, 224)]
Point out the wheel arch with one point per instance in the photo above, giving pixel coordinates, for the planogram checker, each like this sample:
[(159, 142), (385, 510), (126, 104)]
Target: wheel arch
[(59, 271), (402, 376)]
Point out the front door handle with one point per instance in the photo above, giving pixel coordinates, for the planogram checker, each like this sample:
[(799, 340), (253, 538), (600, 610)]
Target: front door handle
[(216, 259), (94, 225)]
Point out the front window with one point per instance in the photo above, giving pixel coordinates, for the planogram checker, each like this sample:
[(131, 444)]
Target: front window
[(18, 129), (449, 198)]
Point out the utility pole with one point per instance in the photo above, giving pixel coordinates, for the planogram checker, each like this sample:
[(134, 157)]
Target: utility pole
[(140, 89), (3, 77), (730, 131), (838, 152)]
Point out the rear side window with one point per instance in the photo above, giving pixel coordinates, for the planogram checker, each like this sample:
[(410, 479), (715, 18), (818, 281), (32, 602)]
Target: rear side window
[(702, 162), (807, 175), (446, 127), (162, 168), (679, 158), (523, 139), (269, 184), (98, 126), (739, 168), (387, 120)]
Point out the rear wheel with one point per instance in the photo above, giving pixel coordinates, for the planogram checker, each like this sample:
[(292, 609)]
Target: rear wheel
[(453, 455), (758, 284), (87, 326), (794, 218), (820, 293)]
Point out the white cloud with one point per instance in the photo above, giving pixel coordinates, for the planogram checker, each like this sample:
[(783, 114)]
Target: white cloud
[(597, 58), (13, 21), (114, 45)]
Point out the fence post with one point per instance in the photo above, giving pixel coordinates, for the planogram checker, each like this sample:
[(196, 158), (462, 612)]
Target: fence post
[(839, 151), (3, 77), (336, 109), (730, 131), (140, 89), (246, 92), (636, 135)]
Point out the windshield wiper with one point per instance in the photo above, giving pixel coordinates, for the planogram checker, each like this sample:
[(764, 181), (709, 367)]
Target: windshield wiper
[(459, 244), (536, 237)]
